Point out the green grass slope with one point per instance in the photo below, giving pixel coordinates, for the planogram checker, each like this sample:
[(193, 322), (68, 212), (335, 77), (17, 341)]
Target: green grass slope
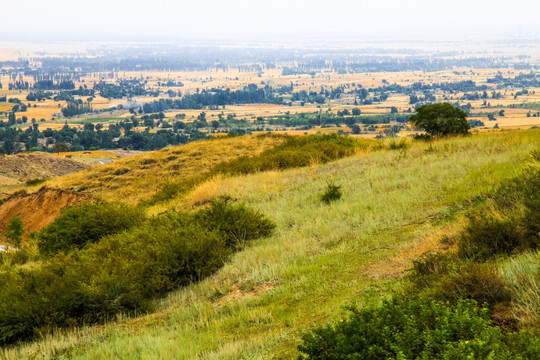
[(396, 204)]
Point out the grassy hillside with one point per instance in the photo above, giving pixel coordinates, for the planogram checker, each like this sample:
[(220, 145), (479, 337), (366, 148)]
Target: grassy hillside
[(396, 205), (137, 178)]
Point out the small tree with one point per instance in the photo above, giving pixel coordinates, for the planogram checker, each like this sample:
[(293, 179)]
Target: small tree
[(60, 147), (15, 232), (440, 120)]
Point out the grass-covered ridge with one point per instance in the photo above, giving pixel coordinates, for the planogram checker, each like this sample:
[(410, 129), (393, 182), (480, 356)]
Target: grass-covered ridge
[(395, 205), (137, 178)]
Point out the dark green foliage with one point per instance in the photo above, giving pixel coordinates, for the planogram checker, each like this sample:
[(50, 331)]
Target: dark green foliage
[(88, 223), (488, 235), (296, 151), (508, 223), (429, 267), (15, 232), (236, 223), (444, 277), (332, 193), (34, 182), (123, 272), (417, 329), (440, 120)]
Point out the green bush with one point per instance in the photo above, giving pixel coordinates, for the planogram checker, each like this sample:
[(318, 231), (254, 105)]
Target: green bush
[(88, 223), (34, 182), (445, 278), (508, 223), (235, 223), (479, 282), (296, 151), (429, 268), (489, 234), (15, 232), (410, 328), (332, 193), (123, 272)]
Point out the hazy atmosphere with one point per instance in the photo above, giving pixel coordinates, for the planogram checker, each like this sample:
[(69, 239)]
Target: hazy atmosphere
[(245, 180), (244, 19)]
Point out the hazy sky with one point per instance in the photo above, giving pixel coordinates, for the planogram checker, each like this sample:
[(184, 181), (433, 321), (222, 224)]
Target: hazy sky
[(166, 19)]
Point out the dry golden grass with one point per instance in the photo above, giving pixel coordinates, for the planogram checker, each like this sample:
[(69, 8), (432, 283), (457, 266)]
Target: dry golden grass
[(138, 177), (235, 80)]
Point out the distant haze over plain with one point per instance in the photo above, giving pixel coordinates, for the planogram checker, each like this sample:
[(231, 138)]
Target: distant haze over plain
[(278, 20)]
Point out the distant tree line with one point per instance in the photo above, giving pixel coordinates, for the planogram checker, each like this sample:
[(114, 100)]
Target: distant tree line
[(120, 135), (215, 97)]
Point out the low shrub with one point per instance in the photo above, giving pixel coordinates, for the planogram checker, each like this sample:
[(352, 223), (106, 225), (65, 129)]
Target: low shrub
[(489, 234), (34, 182), (411, 328), (87, 223), (445, 277), (479, 282), (332, 193), (236, 223), (296, 151), (508, 223), (430, 267)]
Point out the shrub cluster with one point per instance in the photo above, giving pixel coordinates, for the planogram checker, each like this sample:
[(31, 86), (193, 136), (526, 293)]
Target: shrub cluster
[(122, 272), (412, 328), (505, 225), (296, 151), (235, 223), (458, 304), (508, 223), (34, 182), (84, 224)]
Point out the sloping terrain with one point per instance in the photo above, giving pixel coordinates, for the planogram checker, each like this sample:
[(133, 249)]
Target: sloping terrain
[(138, 177), (37, 165), (396, 204), (15, 170), (38, 209)]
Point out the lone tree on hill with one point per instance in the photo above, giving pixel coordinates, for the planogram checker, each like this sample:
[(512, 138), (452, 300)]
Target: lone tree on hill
[(440, 120)]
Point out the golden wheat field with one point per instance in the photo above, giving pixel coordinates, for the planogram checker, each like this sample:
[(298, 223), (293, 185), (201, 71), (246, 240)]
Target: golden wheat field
[(47, 113)]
